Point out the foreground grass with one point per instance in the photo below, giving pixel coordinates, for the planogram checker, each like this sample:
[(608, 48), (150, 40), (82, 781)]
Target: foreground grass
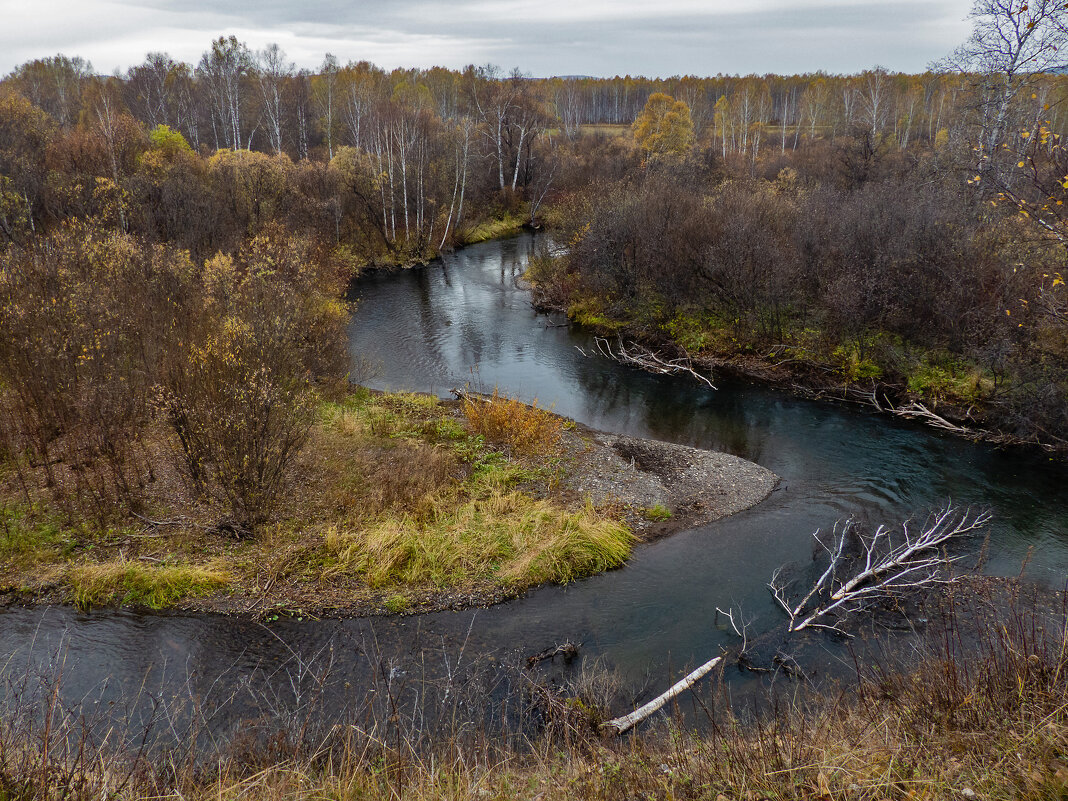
[(983, 713), (395, 498)]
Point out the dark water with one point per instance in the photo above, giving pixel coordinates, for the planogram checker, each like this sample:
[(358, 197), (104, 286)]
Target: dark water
[(468, 321)]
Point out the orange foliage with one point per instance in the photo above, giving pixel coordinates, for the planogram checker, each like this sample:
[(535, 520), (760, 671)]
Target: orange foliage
[(508, 422)]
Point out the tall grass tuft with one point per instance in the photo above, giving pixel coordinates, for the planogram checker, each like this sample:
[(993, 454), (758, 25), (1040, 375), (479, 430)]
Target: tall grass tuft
[(505, 537), (136, 584)]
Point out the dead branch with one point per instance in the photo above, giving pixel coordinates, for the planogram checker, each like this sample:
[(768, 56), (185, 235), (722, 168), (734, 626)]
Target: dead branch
[(864, 568), (470, 397), (622, 724), (917, 411), (150, 525), (641, 357), (568, 650), (740, 626)]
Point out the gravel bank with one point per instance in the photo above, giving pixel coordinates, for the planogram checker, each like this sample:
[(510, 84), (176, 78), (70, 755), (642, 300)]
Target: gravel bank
[(644, 477)]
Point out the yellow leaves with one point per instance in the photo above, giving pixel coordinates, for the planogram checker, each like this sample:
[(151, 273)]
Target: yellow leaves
[(220, 273), (1020, 164), (664, 126), (579, 235)]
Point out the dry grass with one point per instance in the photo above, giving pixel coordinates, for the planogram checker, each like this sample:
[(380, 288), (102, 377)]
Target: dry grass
[(447, 513), (391, 493), (607, 129), (508, 225), (139, 584), (504, 537), (523, 429)]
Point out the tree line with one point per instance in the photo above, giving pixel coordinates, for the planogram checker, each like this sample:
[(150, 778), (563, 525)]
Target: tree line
[(912, 253), (175, 239)]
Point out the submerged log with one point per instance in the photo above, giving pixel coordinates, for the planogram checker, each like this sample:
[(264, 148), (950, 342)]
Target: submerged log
[(568, 650), (622, 724)]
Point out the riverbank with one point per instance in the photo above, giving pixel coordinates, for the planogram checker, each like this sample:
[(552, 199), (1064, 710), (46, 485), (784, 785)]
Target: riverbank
[(400, 503), (979, 710), (942, 393), (501, 226)]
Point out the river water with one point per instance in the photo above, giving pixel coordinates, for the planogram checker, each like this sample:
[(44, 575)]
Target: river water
[(467, 320)]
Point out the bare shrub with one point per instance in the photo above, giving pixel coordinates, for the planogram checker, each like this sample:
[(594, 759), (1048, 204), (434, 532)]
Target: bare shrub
[(84, 316), (240, 393)]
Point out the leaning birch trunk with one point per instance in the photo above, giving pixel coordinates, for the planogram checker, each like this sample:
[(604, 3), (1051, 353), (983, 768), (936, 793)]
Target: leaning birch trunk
[(620, 725)]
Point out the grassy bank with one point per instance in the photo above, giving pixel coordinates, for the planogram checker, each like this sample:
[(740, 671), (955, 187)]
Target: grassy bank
[(981, 713), (803, 357), (497, 227), (395, 501)]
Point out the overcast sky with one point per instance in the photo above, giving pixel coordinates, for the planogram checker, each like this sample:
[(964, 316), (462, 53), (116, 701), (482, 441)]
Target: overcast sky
[(541, 37)]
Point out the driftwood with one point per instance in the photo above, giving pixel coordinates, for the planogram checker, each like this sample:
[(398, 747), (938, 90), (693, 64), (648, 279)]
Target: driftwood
[(635, 355), (470, 397), (567, 650), (917, 411), (882, 566), (622, 724)]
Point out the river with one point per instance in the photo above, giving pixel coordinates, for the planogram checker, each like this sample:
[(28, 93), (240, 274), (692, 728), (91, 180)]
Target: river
[(467, 320)]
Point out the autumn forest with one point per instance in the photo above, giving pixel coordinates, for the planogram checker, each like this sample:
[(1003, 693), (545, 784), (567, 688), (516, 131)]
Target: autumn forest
[(183, 426)]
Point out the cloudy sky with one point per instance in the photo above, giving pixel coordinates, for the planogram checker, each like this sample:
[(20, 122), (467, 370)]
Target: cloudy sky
[(541, 37)]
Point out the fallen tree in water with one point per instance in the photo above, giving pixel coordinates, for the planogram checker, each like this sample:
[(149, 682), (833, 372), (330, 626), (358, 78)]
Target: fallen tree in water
[(862, 570), (635, 355), (626, 722)]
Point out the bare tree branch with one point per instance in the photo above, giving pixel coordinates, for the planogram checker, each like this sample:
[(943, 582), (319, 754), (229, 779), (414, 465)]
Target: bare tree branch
[(864, 568), (637, 356)]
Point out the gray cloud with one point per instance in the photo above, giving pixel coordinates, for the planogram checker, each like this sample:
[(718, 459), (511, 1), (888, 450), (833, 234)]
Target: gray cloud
[(541, 37)]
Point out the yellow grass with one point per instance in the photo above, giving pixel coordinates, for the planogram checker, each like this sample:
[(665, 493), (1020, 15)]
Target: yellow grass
[(505, 537), (139, 584)]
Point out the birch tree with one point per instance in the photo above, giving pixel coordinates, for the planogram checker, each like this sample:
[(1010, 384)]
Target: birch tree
[(324, 90), (492, 100), (222, 70), (1011, 43), (272, 73)]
